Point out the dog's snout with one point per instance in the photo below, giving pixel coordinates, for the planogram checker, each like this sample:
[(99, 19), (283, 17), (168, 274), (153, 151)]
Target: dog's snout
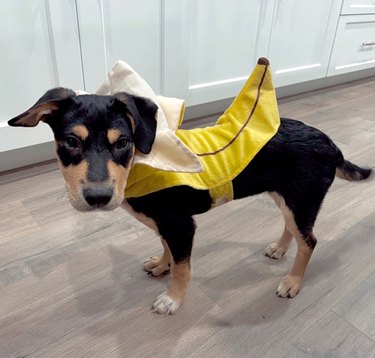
[(98, 197)]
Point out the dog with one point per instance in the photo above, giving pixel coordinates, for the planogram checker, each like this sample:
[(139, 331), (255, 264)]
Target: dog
[(96, 139)]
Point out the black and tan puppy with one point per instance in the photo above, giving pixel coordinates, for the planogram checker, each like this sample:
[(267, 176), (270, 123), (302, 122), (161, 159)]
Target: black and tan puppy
[(96, 138)]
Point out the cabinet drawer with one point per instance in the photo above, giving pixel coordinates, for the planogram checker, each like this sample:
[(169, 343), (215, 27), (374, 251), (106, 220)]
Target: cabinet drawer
[(354, 47), (358, 7)]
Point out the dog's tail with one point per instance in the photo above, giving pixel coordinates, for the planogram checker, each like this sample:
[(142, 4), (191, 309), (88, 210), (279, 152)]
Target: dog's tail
[(349, 171)]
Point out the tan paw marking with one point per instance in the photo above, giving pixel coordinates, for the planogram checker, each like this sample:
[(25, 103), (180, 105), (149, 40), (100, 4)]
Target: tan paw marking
[(289, 286), (165, 304), (156, 267), (275, 250)]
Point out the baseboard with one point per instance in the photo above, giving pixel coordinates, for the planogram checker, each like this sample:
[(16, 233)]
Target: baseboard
[(27, 156)]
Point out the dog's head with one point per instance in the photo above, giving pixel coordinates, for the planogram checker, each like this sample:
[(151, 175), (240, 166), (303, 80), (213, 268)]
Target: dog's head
[(96, 138)]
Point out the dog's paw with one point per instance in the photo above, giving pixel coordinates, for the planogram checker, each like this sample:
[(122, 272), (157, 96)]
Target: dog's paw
[(275, 250), (156, 267), (289, 286), (165, 304)]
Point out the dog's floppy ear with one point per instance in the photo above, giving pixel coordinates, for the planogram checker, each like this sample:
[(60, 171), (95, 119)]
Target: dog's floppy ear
[(142, 113), (43, 109)]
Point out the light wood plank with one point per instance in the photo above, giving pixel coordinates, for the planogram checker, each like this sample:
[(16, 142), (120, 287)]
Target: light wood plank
[(358, 307), (332, 337)]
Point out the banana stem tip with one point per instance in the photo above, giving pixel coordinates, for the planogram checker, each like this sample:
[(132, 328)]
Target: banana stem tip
[(263, 61)]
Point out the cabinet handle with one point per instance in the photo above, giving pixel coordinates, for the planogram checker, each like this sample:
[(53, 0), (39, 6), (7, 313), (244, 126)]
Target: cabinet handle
[(368, 43)]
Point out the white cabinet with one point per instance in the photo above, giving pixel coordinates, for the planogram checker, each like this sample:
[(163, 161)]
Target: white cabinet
[(358, 7), (39, 50), (120, 29), (354, 47), (211, 46), (301, 40)]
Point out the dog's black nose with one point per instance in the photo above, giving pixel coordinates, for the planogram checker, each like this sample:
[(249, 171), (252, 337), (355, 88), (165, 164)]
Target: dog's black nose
[(98, 197)]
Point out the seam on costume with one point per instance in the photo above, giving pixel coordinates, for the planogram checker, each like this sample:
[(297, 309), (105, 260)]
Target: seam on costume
[(244, 125)]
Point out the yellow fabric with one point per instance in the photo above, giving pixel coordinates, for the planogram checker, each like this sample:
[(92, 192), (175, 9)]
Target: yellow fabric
[(224, 149)]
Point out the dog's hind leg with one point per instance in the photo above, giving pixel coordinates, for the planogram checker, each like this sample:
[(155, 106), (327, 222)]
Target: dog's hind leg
[(277, 249), (159, 265), (306, 241), (291, 283)]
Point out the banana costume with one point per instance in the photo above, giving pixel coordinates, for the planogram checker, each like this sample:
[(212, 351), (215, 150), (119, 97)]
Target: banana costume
[(224, 149)]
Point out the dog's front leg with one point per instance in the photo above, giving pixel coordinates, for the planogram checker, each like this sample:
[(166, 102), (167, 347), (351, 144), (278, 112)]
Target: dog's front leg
[(155, 265), (178, 232), (159, 265), (170, 301)]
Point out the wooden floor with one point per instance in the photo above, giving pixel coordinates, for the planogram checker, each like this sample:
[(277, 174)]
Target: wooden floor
[(71, 284)]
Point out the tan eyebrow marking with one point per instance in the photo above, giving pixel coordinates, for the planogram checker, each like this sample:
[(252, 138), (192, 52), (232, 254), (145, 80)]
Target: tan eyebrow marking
[(81, 131), (113, 135)]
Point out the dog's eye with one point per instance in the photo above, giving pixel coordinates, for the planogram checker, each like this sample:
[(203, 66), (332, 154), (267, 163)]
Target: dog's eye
[(121, 143), (72, 142)]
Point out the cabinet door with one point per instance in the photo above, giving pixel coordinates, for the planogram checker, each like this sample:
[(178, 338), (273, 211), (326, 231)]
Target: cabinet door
[(120, 29), (301, 40), (354, 47), (211, 46), (36, 55)]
